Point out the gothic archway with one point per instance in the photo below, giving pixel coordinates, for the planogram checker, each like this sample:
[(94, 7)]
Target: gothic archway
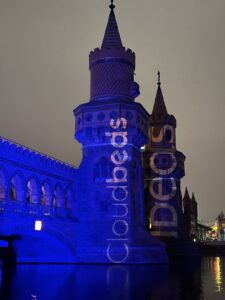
[(17, 192), (32, 191), (2, 190), (46, 198)]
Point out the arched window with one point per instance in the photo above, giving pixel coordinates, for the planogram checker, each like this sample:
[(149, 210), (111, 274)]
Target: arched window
[(12, 192), (46, 194), (32, 191), (2, 186), (2, 190), (58, 196), (28, 195), (16, 188), (42, 196)]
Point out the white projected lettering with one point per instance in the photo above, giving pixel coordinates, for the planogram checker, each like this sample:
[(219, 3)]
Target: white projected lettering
[(117, 225), (118, 157), (115, 124), (124, 207), (118, 139), (117, 249), (122, 189), (119, 174), (124, 254)]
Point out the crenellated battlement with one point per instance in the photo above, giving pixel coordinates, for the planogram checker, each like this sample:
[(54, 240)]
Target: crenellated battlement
[(123, 53), (167, 119), (13, 151)]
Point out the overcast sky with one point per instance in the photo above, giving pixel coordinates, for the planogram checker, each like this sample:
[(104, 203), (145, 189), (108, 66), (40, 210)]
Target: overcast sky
[(44, 48)]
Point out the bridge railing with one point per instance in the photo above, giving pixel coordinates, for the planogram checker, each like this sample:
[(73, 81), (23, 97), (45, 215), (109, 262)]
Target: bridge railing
[(34, 209), (38, 153)]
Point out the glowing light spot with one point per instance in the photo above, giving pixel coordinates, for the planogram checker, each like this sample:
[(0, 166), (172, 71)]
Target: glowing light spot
[(218, 274), (150, 223), (38, 225)]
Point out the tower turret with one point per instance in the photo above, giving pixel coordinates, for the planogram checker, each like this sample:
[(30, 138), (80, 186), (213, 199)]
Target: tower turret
[(112, 66), (112, 128), (163, 169), (159, 108), (190, 215)]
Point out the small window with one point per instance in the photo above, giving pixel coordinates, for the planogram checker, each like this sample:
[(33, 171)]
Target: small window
[(168, 134)]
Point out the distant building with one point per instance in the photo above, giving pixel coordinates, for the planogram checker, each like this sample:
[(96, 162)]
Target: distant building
[(203, 232), (221, 226), (190, 208)]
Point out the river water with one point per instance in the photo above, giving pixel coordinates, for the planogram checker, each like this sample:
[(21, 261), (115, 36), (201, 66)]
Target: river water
[(190, 279)]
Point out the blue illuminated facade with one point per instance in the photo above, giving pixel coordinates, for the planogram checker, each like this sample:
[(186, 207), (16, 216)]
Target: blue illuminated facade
[(35, 187), (94, 213), (112, 127)]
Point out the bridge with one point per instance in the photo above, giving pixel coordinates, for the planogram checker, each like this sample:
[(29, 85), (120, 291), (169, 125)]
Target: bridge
[(37, 204)]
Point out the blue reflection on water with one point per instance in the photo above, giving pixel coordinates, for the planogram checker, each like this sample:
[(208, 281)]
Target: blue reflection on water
[(182, 279)]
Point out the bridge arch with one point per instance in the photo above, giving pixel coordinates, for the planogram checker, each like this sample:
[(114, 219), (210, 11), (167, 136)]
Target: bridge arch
[(33, 190), (17, 187), (46, 193), (3, 185), (51, 244)]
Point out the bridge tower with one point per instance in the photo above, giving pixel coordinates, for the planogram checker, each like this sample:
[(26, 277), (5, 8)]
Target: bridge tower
[(112, 127), (163, 169)]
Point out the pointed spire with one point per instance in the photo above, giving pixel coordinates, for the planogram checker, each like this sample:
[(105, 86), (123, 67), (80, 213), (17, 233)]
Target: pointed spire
[(186, 194), (159, 107), (193, 198), (112, 36)]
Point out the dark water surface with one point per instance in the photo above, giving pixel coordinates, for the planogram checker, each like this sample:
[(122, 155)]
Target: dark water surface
[(183, 279)]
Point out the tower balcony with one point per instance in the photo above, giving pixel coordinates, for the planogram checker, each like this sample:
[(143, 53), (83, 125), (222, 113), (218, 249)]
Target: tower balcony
[(93, 121)]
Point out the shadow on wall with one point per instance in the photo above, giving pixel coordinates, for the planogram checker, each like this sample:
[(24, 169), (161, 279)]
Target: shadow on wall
[(46, 240)]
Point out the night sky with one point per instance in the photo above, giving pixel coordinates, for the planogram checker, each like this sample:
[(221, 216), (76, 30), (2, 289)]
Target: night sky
[(44, 48)]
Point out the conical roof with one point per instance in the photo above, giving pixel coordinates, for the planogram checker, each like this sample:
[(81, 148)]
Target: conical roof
[(193, 197), (112, 36), (186, 194), (159, 107)]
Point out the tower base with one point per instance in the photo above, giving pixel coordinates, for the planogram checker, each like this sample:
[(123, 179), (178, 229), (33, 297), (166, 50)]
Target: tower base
[(123, 254), (181, 247)]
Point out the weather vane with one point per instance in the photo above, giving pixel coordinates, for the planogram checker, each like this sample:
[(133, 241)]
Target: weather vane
[(159, 82), (112, 6)]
